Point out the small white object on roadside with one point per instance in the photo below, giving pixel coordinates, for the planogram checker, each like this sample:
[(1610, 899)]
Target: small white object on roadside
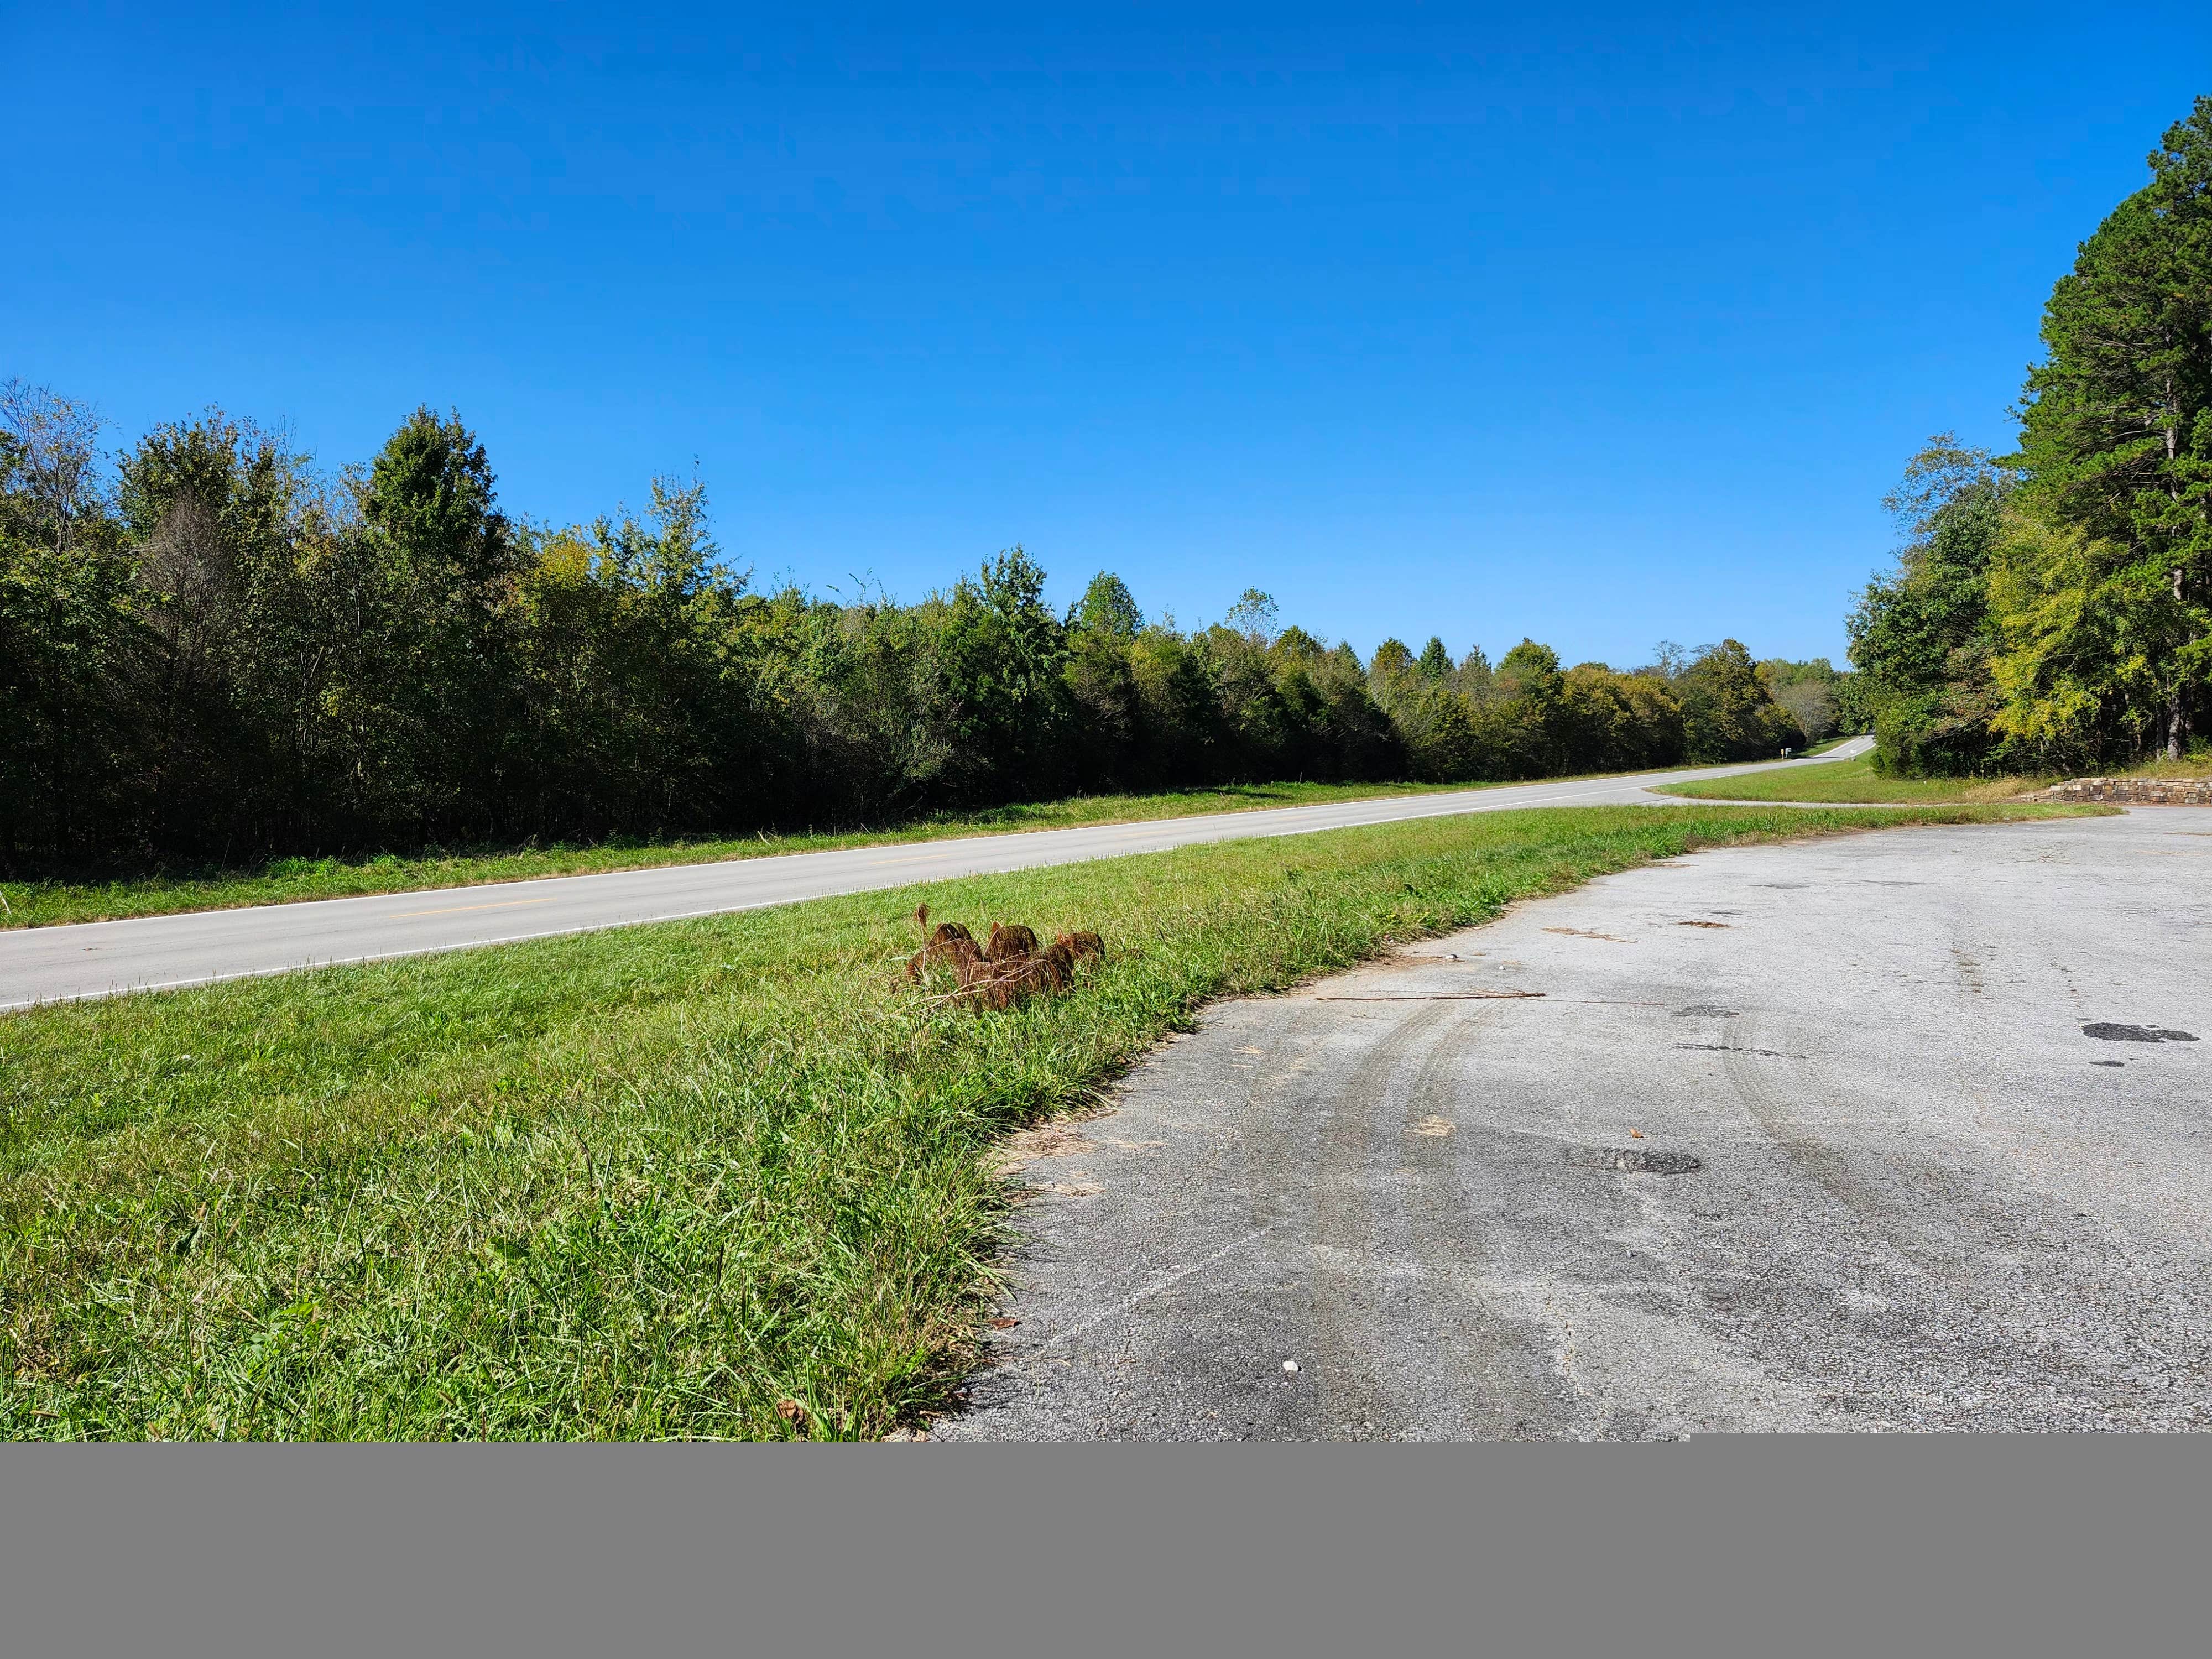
[(1289, 1364)]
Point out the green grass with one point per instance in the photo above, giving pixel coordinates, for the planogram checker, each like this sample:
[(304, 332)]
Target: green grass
[(1856, 781), (2196, 763), (30, 903), (648, 1182)]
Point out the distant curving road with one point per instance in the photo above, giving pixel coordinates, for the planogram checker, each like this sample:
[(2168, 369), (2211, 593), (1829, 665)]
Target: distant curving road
[(104, 958)]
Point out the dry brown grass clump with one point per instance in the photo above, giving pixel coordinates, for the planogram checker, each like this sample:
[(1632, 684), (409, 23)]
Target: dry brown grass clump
[(950, 944), (1083, 947), (1007, 969)]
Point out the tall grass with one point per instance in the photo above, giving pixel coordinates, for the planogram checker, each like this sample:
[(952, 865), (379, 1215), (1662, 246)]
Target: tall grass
[(714, 1178)]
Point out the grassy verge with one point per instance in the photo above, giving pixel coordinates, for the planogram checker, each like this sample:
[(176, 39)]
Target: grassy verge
[(1824, 745), (651, 1182), (1856, 780), (30, 903), (2197, 764)]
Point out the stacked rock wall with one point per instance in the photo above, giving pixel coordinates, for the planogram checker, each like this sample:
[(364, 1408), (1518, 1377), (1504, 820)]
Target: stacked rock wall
[(2135, 792)]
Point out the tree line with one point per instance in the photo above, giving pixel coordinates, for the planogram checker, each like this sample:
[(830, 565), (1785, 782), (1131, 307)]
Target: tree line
[(209, 651), (2051, 609)]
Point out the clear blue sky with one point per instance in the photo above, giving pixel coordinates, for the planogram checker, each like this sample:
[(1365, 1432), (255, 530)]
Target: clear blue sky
[(1601, 325)]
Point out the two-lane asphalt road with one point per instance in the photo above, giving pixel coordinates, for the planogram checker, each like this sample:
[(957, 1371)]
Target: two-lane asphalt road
[(102, 958)]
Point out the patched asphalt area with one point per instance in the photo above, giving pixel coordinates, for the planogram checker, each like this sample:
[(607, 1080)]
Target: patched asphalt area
[(1906, 1130)]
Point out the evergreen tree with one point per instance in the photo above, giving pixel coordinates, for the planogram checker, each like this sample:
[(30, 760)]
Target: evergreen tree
[(2117, 421), (1107, 607), (425, 677)]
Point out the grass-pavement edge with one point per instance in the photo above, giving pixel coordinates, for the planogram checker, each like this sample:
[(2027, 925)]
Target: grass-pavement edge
[(712, 1179)]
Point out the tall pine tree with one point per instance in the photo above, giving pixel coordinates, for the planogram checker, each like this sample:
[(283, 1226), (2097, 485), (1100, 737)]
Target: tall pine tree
[(2116, 423)]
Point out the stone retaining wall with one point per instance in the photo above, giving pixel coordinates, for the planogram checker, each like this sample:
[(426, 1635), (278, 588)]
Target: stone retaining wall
[(2135, 792)]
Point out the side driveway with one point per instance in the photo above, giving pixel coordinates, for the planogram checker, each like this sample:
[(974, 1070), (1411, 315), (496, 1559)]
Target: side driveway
[(1904, 1130)]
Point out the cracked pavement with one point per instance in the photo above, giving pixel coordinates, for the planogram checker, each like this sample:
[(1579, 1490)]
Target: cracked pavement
[(1911, 1188)]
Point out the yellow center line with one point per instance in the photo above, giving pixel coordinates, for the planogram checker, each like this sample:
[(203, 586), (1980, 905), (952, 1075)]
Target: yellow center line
[(455, 909)]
